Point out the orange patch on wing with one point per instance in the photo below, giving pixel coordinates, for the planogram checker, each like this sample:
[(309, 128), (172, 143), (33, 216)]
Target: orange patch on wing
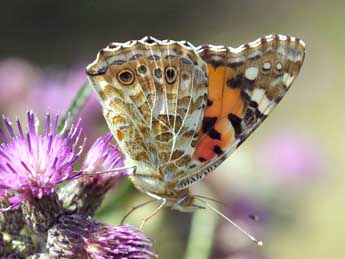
[(203, 150), (225, 100), (232, 102), (215, 90)]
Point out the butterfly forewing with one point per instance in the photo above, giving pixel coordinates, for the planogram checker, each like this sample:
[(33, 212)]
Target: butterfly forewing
[(244, 85)]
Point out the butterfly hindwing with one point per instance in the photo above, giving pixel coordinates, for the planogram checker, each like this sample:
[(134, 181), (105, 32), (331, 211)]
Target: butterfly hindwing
[(153, 95), (244, 85)]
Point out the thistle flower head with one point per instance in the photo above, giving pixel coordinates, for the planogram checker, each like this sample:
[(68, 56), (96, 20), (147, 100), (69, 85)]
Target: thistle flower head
[(85, 194), (103, 156), (77, 236), (124, 241), (33, 164)]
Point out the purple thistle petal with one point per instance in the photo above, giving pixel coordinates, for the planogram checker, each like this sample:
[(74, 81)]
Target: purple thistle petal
[(28, 140), (55, 124), (27, 168), (15, 202), (31, 122), (20, 129), (2, 153), (9, 127)]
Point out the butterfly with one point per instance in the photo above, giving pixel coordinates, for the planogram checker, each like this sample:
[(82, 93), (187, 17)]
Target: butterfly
[(178, 111)]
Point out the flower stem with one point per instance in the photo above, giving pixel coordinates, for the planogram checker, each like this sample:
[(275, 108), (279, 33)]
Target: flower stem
[(202, 231), (76, 105)]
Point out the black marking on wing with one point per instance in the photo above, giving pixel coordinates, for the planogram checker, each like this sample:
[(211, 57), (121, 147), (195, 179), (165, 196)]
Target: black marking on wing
[(214, 134), (208, 123), (217, 149), (236, 123)]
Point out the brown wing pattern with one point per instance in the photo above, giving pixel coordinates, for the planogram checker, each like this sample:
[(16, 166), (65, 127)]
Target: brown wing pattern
[(148, 89), (245, 84)]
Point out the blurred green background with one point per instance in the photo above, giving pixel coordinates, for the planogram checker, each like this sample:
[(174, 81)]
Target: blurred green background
[(289, 174)]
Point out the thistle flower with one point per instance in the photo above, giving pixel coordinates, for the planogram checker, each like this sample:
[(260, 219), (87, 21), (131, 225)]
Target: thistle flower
[(85, 194), (77, 236), (32, 166)]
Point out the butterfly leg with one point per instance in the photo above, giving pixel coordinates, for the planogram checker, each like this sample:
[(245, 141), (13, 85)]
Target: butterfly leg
[(134, 209), (164, 201)]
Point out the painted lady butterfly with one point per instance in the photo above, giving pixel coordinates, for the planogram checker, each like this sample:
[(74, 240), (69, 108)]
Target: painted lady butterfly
[(178, 111)]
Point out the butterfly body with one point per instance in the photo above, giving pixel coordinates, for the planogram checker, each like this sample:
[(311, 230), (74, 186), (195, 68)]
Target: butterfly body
[(177, 111)]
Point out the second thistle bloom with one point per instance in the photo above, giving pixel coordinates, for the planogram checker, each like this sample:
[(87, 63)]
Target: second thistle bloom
[(77, 236), (85, 194)]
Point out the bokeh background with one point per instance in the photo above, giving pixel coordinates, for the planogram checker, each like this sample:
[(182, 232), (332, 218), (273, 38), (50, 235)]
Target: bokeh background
[(286, 184)]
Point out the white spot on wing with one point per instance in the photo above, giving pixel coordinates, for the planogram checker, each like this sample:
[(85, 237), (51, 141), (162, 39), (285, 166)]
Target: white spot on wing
[(266, 66), (251, 73), (264, 103), (257, 95), (279, 66), (282, 37), (287, 79)]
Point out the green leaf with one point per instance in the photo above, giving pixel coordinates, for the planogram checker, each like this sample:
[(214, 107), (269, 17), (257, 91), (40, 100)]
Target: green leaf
[(76, 105)]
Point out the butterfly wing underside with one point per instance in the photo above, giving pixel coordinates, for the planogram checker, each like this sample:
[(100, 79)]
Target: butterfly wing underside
[(153, 95), (244, 85)]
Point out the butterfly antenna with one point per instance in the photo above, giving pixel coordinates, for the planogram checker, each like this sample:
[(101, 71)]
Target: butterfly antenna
[(259, 243), (135, 208)]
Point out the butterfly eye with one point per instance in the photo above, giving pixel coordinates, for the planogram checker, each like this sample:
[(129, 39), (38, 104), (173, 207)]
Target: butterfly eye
[(125, 77), (170, 74)]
